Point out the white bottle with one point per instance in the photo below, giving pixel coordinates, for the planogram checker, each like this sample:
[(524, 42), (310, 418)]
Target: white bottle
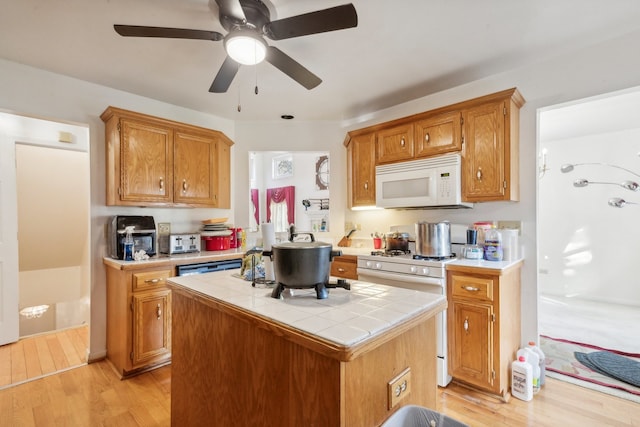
[(532, 359), (543, 369), (521, 379)]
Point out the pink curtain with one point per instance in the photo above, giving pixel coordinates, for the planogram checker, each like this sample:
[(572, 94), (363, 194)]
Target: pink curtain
[(255, 202), (279, 194)]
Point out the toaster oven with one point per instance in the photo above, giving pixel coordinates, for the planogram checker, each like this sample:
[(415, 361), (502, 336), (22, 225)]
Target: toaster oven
[(144, 234)]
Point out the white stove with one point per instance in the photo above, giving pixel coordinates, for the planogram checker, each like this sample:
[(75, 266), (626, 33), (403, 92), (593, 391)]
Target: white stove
[(403, 264), (426, 275)]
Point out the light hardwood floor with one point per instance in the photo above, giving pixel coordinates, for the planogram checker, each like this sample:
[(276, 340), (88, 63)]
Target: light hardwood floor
[(44, 354), (93, 395)]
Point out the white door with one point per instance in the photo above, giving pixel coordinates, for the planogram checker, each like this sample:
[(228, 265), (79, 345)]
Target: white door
[(8, 241)]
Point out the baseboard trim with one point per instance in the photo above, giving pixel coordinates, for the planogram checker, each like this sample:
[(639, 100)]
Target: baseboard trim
[(96, 356)]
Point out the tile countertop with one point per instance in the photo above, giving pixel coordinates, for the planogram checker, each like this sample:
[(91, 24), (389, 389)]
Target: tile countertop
[(488, 265), (172, 260), (344, 318)]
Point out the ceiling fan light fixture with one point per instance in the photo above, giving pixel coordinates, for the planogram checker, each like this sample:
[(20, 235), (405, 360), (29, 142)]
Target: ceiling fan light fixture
[(245, 47)]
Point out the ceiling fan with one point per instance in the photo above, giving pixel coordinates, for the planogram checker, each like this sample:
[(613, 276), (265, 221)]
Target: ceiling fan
[(247, 23)]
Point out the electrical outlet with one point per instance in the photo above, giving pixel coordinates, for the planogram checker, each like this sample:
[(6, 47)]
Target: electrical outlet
[(164, 228), (514, 225), (398, 388)]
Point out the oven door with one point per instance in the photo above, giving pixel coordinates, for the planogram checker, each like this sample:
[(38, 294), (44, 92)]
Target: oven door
[(432, 285)]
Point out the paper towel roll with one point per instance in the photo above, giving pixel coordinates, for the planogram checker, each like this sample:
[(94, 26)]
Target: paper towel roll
[(268, 236), (510, 244), (268, 240), (269, 273)]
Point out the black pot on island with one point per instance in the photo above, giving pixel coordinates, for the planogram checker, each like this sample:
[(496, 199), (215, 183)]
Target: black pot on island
[(302, 265)]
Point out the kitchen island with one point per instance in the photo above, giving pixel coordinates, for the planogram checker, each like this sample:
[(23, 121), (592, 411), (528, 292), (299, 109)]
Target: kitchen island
[(243, 358)]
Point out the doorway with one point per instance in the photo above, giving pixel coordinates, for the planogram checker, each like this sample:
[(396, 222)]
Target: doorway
[(44, 226), (53, 238), (588, 288)]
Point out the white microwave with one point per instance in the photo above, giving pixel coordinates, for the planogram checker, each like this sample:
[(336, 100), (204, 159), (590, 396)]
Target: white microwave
[(433, 182)]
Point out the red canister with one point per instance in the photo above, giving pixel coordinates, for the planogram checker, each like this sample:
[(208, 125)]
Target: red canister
[(234, 237), (217, 243)]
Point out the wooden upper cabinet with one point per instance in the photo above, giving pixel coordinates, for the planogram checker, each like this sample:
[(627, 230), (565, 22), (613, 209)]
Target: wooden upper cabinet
[(484, 130), (195, 172), (490, 155), (361, 174), (146, 162), (158, 162), (223, 167), (438, 134), (395, 144)]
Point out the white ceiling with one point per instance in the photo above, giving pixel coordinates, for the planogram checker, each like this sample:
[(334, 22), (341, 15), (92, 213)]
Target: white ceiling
[(400, 50)]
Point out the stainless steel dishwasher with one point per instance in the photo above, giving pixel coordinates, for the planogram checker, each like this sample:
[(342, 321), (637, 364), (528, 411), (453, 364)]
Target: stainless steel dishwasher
[(208, 267)]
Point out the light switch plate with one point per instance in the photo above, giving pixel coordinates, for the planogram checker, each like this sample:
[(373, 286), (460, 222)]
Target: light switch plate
[(514, 225), (164, 228)]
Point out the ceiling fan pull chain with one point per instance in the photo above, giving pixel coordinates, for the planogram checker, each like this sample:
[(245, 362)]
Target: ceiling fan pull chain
[(256, 89), (239, 105)]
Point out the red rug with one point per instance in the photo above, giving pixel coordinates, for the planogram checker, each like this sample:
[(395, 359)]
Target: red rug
[(560, 359)]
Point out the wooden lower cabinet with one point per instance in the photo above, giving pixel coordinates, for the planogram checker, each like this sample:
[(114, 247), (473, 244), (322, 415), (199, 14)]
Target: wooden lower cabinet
[(151, 326), (483, 325), (138, 319), (345, 267)]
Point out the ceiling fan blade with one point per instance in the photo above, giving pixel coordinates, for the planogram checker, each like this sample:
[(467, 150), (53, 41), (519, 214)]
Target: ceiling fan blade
[(321, 21), (172, 33), (231, 8), (225, 76), (291, 68)]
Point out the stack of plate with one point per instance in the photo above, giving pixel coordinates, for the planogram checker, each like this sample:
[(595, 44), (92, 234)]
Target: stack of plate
[(216, 227)]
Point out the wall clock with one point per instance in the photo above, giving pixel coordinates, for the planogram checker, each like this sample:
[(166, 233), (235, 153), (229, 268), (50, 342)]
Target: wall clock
[(322, 173)]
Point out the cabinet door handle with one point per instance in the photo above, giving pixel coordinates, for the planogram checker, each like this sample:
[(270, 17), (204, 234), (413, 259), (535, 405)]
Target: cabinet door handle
[(402, 142), (366, 185), (158, 311), (479, 174), (161, 183), (184, 185), (466, 324), (341, 270), (471, 288), (427, 137), (152, 281)]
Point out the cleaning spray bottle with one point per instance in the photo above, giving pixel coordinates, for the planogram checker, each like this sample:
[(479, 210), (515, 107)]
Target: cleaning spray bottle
[(128, 243)]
